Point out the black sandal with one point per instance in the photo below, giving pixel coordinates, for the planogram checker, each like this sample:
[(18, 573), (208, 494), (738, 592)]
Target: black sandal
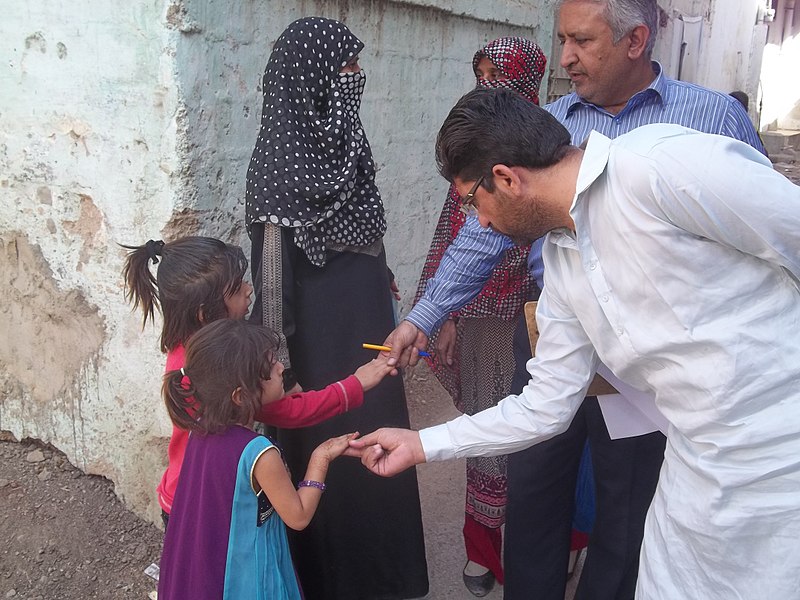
[(478, 585)]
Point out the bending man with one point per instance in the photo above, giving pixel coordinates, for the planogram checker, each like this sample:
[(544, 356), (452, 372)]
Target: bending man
[(671, 258)]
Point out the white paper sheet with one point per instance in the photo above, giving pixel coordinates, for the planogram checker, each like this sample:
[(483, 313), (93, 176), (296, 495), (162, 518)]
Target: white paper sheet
[(631, 412)]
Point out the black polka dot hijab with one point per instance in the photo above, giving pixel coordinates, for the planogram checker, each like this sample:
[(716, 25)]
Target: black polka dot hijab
[(312, 167), (520, 60)]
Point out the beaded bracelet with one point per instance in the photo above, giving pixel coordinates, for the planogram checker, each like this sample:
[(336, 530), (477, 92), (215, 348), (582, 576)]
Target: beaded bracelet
[(311, 483)]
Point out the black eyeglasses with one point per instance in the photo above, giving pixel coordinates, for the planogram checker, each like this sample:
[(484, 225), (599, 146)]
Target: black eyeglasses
[(468, 201)]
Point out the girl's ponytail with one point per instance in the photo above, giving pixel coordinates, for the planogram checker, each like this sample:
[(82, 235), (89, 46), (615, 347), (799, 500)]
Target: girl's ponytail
[(195, 277), (220, 385), (178, 393), (140, 284)]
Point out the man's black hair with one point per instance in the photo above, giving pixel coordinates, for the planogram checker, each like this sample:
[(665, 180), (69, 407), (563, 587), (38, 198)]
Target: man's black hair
[(496, 126)]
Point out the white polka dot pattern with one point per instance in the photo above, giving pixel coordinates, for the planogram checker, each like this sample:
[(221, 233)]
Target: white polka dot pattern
[(312, 167)]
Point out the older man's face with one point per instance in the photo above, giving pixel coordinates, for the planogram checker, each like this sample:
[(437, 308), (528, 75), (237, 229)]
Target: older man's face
[(595, 64)]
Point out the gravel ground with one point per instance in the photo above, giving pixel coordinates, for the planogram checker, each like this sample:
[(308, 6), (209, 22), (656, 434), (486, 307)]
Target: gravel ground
[(790, 170), (67, 535)]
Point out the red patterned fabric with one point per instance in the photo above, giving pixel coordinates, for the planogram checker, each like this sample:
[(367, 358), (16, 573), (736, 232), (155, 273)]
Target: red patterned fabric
[(522, 63), (520, 60), (483, 359), (510, 284), (483, 546)]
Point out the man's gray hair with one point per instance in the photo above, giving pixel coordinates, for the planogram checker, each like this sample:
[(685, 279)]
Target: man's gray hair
[(624, 15)]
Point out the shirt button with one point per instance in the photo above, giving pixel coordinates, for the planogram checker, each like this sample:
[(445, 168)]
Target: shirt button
[(592, 266), (604, 298), (619, 330)]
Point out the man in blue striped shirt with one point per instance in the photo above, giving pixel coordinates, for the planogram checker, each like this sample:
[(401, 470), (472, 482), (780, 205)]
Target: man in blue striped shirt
[(607, 46)]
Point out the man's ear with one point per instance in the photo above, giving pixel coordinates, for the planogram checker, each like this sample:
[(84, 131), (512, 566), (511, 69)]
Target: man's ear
[(505, 178), (201, 315), (637, 39)]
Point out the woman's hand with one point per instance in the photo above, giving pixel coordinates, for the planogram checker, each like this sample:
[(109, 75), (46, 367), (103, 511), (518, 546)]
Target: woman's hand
[(446, 342)]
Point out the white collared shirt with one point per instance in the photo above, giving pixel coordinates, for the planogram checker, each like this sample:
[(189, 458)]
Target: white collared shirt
[(682, 277)]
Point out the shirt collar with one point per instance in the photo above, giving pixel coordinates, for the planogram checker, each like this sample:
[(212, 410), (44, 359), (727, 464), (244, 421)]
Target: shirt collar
[(657, 89), (595, 159), (593, 164)]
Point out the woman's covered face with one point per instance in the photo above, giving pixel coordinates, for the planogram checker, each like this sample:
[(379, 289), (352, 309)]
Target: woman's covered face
[(351, 67), (487, 71), (512, 63)]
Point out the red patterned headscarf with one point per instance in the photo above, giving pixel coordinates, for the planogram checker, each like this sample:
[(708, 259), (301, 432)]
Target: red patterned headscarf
[(510, 285), (520, 60)]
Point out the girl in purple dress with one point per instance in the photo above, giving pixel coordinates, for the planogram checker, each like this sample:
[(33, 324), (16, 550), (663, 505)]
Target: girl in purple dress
[(226, 538)]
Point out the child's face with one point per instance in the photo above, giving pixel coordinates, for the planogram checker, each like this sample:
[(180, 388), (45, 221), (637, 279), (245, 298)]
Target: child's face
[(272, 388), (238, 302)]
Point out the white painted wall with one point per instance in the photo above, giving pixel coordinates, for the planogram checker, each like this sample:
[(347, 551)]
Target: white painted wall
[(724, 44), (87, 100), (124, 121), (780, 78)]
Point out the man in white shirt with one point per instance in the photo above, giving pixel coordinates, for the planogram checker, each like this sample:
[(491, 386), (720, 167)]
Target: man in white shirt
[(672, 258), (606, 50)]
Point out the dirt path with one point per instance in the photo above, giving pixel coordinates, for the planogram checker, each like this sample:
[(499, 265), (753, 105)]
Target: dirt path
[(66, 534)]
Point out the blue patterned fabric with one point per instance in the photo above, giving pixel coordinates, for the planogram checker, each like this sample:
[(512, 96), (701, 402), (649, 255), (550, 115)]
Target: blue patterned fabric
[(259, 565), (665, 100)]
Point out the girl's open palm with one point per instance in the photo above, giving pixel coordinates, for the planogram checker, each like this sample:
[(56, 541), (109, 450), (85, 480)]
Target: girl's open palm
[(295, 506)]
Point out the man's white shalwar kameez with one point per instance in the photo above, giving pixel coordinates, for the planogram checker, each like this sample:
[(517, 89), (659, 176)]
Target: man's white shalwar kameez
[(681, 277)]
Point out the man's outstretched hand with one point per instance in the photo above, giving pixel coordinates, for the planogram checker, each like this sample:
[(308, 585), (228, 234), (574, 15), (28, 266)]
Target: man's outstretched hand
[(405, 341), (387, 452)]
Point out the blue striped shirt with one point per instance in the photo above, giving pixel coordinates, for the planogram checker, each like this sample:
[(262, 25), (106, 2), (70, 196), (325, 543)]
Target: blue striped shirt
[(467, 264)]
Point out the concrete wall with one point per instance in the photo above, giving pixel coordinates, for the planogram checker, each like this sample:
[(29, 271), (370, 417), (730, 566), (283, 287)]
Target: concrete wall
[(417, 60), (780, 81), (714, 43), (88, 99), (124, 121)]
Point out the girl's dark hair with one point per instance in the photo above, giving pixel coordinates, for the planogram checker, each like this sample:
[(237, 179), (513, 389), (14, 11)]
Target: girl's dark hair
[(227, 355), (195, 275)]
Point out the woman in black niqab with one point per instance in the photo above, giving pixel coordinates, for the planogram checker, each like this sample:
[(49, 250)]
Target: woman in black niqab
[(312, 168), (316, 223)]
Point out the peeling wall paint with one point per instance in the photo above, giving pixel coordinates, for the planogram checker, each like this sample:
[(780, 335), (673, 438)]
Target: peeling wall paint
[(87, 160)]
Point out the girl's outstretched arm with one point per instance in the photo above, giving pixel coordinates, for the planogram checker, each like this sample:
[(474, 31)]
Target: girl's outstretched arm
[(309, 408), (297, 506)]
